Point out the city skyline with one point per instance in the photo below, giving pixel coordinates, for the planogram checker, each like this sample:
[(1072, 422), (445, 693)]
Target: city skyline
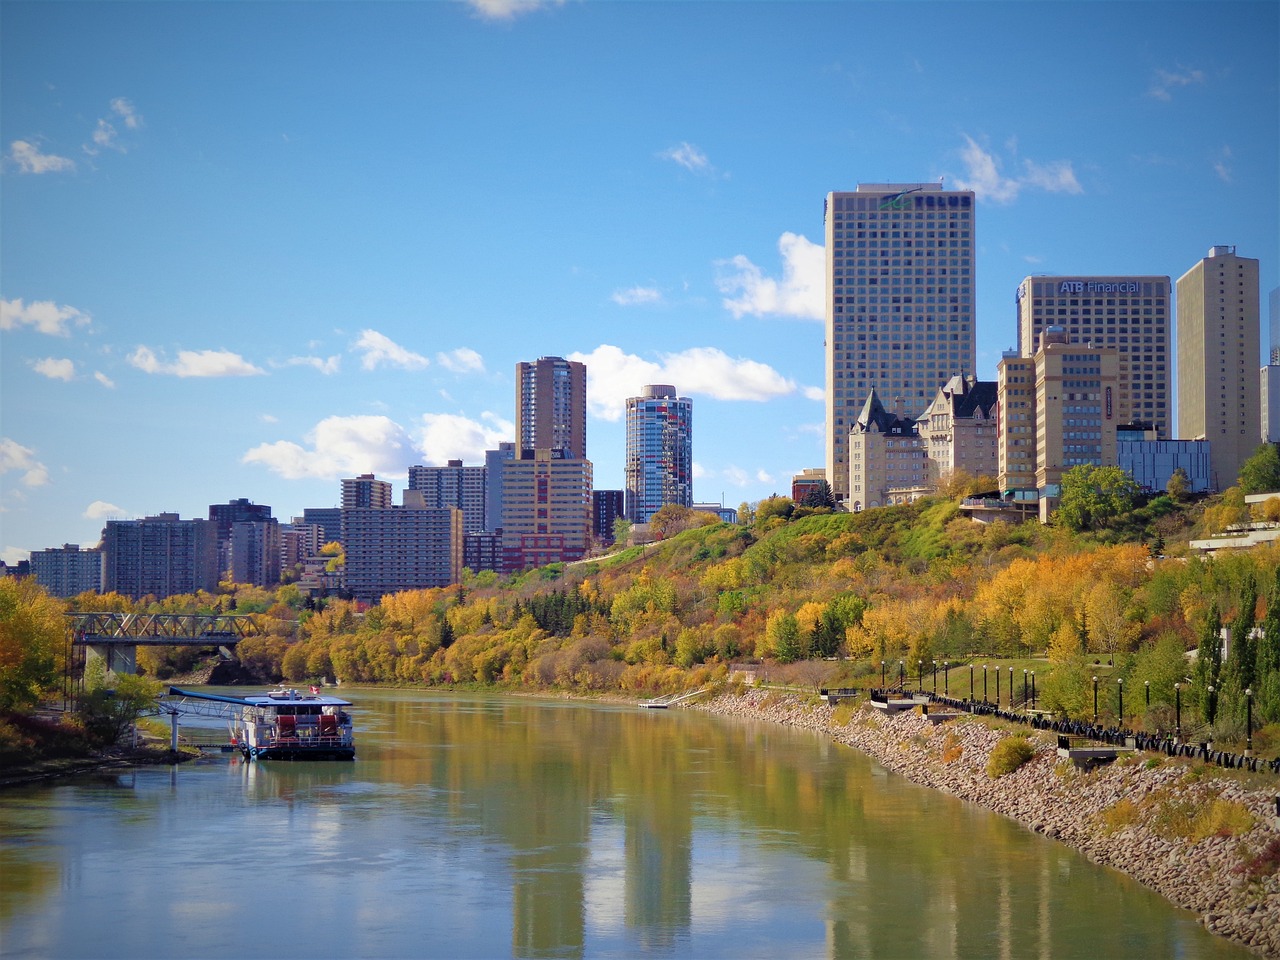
[(292, 244)]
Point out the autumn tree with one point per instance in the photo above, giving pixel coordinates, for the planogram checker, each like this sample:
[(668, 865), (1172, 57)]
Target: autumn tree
[(32, 634), (1094, 496), (1261, 472)]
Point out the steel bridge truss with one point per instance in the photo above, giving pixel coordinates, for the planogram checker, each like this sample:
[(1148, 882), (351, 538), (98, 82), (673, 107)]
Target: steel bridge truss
[(160, 629)]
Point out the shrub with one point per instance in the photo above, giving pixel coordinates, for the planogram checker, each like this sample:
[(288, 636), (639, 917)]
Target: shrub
[(844, 712), (1009, 754), (952, 748), (1121, 814), (1265, 863)]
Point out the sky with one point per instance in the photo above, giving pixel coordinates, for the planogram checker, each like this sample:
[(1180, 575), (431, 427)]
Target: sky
[(248, 249)]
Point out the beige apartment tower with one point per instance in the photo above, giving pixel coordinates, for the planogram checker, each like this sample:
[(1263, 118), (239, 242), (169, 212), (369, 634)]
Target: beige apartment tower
[(551, 406), (899, 304), (1218, 354), (1129, 313)]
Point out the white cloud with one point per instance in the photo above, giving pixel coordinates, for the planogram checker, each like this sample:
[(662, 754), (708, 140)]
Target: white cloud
[(449, 436), (15, 458), (195, 363), (509, 9), (45, 315), (55, 368), (29, 159), (14, 555), (378, 349), (101, 510), (763, 476), (339, 447), (103, 379), (984, 177), (1221, 166), (124, 109), (635, 296), (104, 135), (462, 360), (613, 376), (698, 470), (1165, 81), (268, 418), (800, 293), (689, 157), (815, 393), (326, 365), (736, 476)]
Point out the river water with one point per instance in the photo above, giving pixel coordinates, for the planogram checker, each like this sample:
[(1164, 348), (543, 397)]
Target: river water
[(485, 826)]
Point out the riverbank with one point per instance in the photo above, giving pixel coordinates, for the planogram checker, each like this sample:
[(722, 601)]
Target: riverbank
[(1204, 839)]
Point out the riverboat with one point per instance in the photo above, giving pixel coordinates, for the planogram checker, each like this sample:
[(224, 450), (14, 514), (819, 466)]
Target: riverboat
[(286, 725)]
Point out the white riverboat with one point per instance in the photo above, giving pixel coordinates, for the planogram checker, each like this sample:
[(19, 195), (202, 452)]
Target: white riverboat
[(284, 724)]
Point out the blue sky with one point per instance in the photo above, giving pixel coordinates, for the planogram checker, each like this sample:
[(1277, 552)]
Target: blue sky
[(247, 249)]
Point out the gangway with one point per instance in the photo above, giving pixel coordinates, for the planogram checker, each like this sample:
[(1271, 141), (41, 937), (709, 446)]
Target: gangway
[(177, 703), (661, 703)]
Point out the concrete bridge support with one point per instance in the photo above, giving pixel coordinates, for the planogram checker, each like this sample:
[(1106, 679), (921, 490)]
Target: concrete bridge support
[(121, 659)]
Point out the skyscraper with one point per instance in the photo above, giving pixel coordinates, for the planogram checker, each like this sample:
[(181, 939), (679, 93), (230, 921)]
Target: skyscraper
[(365, 491), (1218, 354), (453, 485), (494, 462), (1130, 313), (899, 303), (160, 555), (551, 406), (659, 465)]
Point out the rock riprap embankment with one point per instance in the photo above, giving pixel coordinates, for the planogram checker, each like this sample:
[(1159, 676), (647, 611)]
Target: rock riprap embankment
[(1204, 839)]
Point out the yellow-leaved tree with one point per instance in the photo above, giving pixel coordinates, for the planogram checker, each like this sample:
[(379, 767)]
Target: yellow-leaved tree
[(32, 633)]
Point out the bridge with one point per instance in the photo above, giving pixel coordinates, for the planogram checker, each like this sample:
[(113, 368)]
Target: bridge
[(115, 637)]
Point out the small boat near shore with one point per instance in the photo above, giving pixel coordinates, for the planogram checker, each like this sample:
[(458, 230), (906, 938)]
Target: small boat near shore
[(282, 724)]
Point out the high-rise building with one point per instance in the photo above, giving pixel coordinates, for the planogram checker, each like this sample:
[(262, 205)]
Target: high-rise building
[(255, 552), (899, 304), (494, 460), (328, 519), (300, 540), (67, 570), (546, 509), (1218, 353), (453, 485), (607, 507), (366, 491), (551, 406), (887, 458), (1057, 410), (959, 429), (1131, 314), (659, 464), (1270, 375), (234, 511), (401, 548), (160, 555)]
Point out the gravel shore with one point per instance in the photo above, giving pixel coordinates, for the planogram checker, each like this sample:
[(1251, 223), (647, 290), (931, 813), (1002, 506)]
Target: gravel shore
[(1131, 815)]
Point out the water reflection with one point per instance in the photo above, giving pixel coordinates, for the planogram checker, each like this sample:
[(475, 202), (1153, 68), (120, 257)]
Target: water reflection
[(484, 826)]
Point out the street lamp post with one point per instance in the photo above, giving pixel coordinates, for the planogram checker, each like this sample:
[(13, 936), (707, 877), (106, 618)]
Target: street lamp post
[(901, 665), (1248, 721), (1177, 712), (1024, 687), (1033, 689), (997, 686), (1011, 688), (1120, 694), (946, 678), (881, 674), (1147, 686), (984, 683), (971, 696), (1212, 707), (1095, 699), (920, 675)]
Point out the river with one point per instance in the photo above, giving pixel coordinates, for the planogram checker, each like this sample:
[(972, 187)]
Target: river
[(488, 826)]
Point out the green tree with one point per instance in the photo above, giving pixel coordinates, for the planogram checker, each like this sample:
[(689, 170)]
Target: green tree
[(819, 495), (783, 636), (110, 711), (746, 513), (621, 531), (1093, 496), (774, 506), (1261, 472), (32, 632), (1179, 485)]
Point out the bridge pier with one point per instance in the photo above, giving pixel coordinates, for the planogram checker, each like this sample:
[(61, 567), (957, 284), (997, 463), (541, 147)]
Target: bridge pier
[(121, 659)]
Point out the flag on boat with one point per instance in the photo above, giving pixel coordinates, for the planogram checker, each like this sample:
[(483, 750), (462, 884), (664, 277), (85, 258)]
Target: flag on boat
[(315, 690)]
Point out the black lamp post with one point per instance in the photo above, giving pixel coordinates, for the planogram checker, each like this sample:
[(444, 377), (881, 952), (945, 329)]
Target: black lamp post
[(920, 675), (984, 683), (1212, 706), (1033, 689), (946, 678), (1248, 721), (901, 665), (971, 696), (1147, 686), (935, 677), (1024, 687), (881, 674), (997, 686), (1011, 688), (1177, 712), (1120, 694), (1095, 699)]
